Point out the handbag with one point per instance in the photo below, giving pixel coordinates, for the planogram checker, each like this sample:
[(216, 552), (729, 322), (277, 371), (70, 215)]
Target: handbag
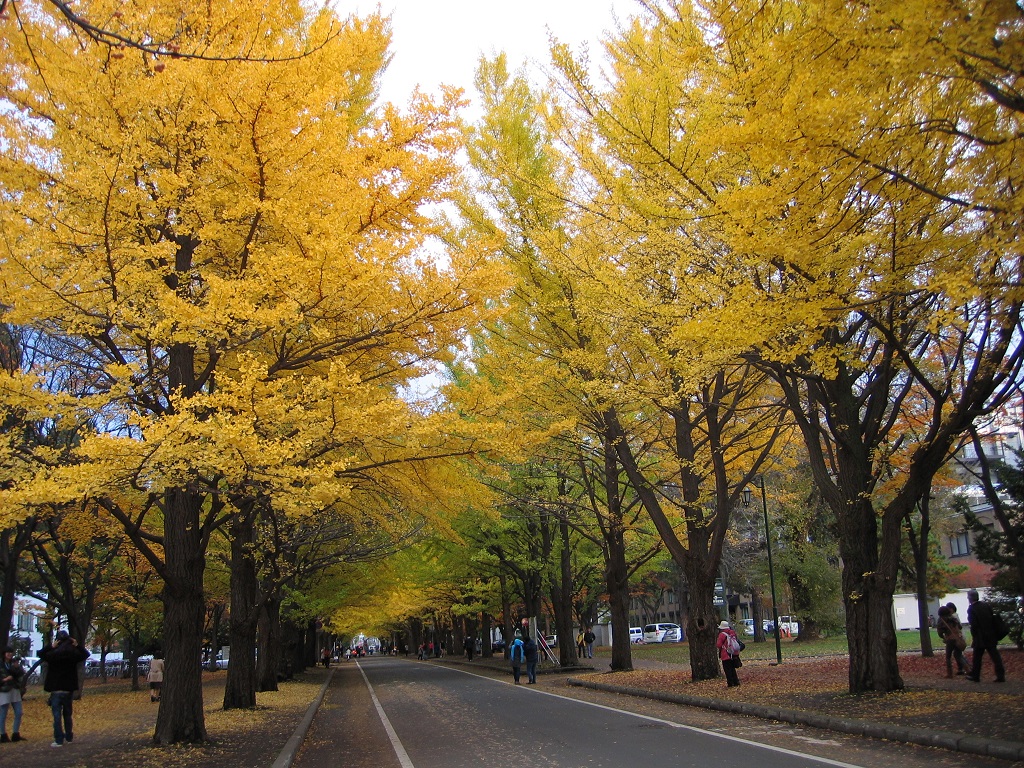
[(959, 642)]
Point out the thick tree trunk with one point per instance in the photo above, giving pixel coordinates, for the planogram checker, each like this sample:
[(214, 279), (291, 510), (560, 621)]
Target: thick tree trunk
[(180, 718), (268, 660), (13, 541), (617, 579), (240, 686), (867, 596), (802, 608), (702, 625)]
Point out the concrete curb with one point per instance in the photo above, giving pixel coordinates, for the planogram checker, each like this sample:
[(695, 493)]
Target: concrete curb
[(291, 748), (957, 742)]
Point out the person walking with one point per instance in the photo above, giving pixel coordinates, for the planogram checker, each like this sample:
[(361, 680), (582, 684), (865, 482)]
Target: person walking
[(62, 659), (516, 657), (530, 655), (728, 652), (951, 633), (983, 637), (155, 676), (469, 644), (12, 686), (588, 641)]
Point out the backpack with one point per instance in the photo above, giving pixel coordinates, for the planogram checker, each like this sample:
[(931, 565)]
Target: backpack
[(733, 645), (517, 653), (1000, 629)]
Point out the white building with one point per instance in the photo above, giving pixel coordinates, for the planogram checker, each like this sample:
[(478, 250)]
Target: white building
[(25, 625)]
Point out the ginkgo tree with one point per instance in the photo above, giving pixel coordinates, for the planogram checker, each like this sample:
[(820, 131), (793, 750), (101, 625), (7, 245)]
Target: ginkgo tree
[(845, 175), (603, 327), (230, 257)]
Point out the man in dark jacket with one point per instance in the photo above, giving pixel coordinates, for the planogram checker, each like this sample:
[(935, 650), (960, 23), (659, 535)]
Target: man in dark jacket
[(983, 637), (62, 659), (530, 654)]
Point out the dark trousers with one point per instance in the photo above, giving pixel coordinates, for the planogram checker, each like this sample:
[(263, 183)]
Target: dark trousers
[(997, 661), (729, 665), (952, 652), (516, 672), (531, 671), (60, 703)]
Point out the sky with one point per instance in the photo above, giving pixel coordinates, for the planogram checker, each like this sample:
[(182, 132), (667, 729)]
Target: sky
[(440, 41)]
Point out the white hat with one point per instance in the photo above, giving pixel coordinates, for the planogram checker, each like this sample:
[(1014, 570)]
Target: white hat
[(724, 625)]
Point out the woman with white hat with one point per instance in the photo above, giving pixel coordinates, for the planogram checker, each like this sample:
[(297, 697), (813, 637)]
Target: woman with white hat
[(729, 652)]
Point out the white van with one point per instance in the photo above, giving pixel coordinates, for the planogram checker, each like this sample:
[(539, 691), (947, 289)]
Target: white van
[(636, 635), (663, 633)]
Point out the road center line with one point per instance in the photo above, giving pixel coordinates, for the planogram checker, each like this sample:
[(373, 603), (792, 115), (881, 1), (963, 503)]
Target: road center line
[(403, 756)]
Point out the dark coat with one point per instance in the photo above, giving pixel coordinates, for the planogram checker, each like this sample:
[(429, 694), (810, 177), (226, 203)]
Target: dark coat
[(530, 649), (62, 666), (14, 670), (982, 620)]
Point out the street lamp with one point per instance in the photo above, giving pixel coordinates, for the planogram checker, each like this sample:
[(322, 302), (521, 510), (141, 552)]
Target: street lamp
[(758, 482)]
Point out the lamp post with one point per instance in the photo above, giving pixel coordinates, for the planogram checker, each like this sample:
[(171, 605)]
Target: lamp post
[(758, 482)]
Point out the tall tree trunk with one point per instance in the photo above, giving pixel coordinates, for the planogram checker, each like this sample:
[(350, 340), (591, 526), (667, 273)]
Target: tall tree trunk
[(268, 660), (757, 611), (13, 541), (486, 629), (616, 569), (240, 686), (180, 718), (702, 623), (507, 622), (567, 654), (919, 547), (867, 595)]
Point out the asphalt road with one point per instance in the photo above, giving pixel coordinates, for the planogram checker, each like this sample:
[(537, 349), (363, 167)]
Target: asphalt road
[(387, 712)]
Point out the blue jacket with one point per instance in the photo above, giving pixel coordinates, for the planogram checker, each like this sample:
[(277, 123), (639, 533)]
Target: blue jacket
[(515, 652)]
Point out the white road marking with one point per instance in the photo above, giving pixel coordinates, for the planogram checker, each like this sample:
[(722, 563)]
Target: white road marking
[(403, 756)]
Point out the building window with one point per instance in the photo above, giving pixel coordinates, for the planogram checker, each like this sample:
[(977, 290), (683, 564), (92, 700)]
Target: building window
[(959, 545), (25, 622)]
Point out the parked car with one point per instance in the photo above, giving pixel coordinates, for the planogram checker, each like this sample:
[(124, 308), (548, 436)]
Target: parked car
[(636, 635), (748, 626), (498, 646), (788, 624), (551, 641), (663, 633)]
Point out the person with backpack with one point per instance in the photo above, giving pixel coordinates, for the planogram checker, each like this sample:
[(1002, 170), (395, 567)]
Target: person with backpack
[(516, 657), (729, 652), (987, 629), (951, 633)]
